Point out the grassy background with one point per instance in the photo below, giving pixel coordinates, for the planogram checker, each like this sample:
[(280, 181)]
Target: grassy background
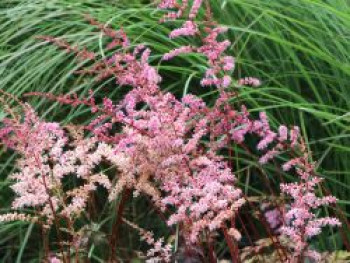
[(298, 48)]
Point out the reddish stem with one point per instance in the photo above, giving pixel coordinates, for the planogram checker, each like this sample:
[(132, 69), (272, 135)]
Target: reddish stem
[(212, 257), (117, 223), (232, 247), (273, 238), (53, 213), (248, 236)]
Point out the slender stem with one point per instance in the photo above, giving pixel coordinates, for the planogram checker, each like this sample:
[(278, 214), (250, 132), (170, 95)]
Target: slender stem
[(273, 238), (212, 257), (53, 213), (232, 247), (45, 241), (248, 236), (118, 221)]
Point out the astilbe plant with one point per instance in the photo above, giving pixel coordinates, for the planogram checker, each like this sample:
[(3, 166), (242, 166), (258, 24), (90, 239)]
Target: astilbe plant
[(167, 149)]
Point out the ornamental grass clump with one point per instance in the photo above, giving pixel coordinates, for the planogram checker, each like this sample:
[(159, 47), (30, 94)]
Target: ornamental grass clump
[(174, 152)]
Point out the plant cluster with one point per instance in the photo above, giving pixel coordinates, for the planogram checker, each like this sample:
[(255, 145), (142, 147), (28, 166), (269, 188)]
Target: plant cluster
[(170, 150)]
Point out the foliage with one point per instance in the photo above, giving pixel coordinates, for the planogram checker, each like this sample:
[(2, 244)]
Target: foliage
[(309, 88)]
